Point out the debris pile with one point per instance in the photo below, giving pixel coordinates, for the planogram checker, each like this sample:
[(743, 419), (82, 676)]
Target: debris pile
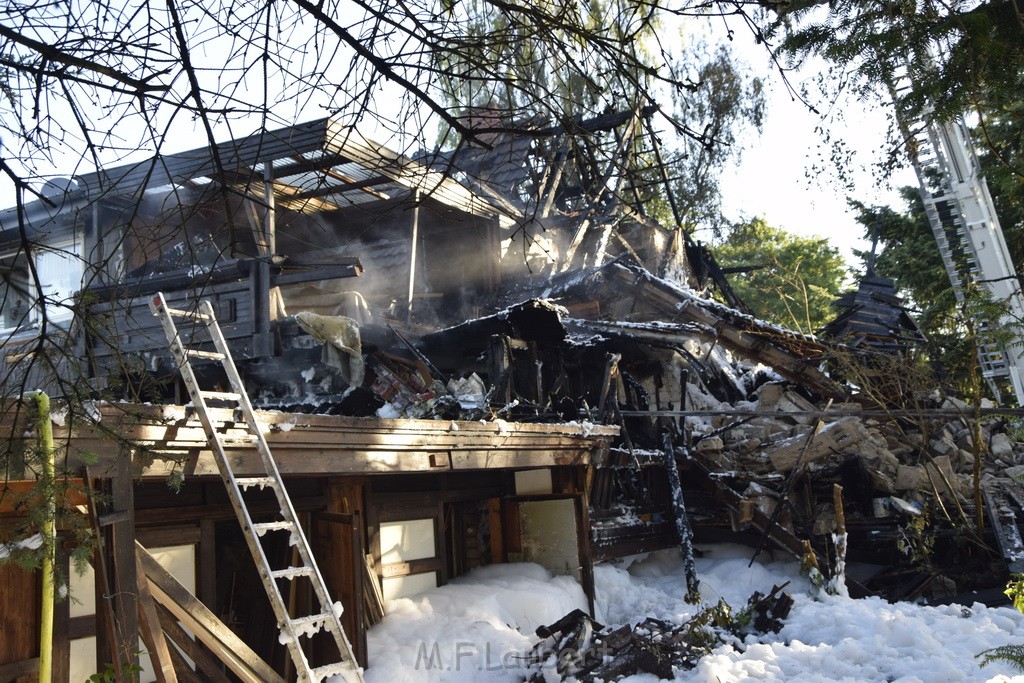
[(578, 648), (908, 477)]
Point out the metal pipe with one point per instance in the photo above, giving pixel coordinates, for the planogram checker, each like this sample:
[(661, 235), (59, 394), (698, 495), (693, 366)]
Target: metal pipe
[(49, 533), (270, 230), (411, 293), (836, 413)]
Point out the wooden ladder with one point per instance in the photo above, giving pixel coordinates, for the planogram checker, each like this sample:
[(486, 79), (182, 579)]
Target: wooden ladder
[(325, 616)]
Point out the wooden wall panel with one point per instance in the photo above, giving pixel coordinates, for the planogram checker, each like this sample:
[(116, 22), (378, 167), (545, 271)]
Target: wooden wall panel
[(19, 614)]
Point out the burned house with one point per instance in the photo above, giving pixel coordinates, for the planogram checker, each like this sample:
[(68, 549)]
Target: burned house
[(457, 359)]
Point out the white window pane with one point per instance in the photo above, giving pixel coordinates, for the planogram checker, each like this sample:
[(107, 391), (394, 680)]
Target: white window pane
[(83, 592), (411, 539), (83, 658), (15, 308), (60, 272), (395, 587)]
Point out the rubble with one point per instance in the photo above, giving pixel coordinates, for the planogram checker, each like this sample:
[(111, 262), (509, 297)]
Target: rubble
[(578, 648)]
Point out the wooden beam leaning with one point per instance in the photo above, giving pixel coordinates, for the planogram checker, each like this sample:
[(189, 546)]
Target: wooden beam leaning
[(152, 634), (761, 344), (210, 630), (208, 666)]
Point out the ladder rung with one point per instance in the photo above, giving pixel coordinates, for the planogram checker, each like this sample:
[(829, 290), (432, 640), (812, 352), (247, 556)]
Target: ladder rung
[(310, 625), (263, 527), (211, 355), (220, 396), (291, 572), (232, 434), (178, 313), (249, 482), (243, 441), (322, 672)]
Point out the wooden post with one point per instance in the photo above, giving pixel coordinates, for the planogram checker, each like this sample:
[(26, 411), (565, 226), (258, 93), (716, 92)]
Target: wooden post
[(497, 531), (837, 499), (583, 543), (207, 563), (61, 663), (263, 344), (126, 610)]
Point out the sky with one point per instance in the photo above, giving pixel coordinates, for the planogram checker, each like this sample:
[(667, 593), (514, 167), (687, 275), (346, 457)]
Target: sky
[(772, 178), (775, 178)]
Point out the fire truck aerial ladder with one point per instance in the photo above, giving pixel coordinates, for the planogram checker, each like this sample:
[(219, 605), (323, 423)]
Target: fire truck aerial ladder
[(966, 228)]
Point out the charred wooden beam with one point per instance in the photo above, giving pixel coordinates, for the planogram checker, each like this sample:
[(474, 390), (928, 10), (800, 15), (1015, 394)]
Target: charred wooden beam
[(682, 521), (168, 437), (1004, 524), (788, 352), (734, 501)]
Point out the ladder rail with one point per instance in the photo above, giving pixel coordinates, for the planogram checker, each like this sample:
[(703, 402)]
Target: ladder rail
[(298, 539), (327, 619), (178, 350), (967, 232)]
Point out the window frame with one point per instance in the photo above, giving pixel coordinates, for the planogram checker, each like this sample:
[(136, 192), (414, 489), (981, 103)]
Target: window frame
[(70, 248)]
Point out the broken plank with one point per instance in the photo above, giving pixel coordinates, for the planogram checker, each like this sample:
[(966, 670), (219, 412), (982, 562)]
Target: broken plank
[(210, 630), (184, 671), (733, 500), (205, 663), (152, 634), (1004, 524), (372, 592), (17, 670)]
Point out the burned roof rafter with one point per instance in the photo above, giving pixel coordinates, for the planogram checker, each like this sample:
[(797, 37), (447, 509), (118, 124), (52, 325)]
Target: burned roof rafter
[(318, 146)]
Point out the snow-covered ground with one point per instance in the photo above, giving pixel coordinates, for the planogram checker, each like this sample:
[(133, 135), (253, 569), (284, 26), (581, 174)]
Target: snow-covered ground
[(480, 627)]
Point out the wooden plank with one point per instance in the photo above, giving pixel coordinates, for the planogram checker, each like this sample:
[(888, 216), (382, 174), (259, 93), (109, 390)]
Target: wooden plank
[(152, 634), (213, 633), (318, 444), (497, 534), (372, 590), (222, 511), (183, 439), (19, 614), (14, 670), (135, 416), (207, 564), (183, 670), (357, 626), (162, 537), (538, 457), (312, 462), (124, 565), (60, 664), (209, 666)]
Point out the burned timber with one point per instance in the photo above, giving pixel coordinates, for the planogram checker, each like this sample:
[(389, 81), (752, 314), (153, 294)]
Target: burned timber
[(493, 352)]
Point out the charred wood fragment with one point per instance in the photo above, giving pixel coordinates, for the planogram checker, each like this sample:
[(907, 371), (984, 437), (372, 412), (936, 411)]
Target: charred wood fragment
[(576, 646)]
